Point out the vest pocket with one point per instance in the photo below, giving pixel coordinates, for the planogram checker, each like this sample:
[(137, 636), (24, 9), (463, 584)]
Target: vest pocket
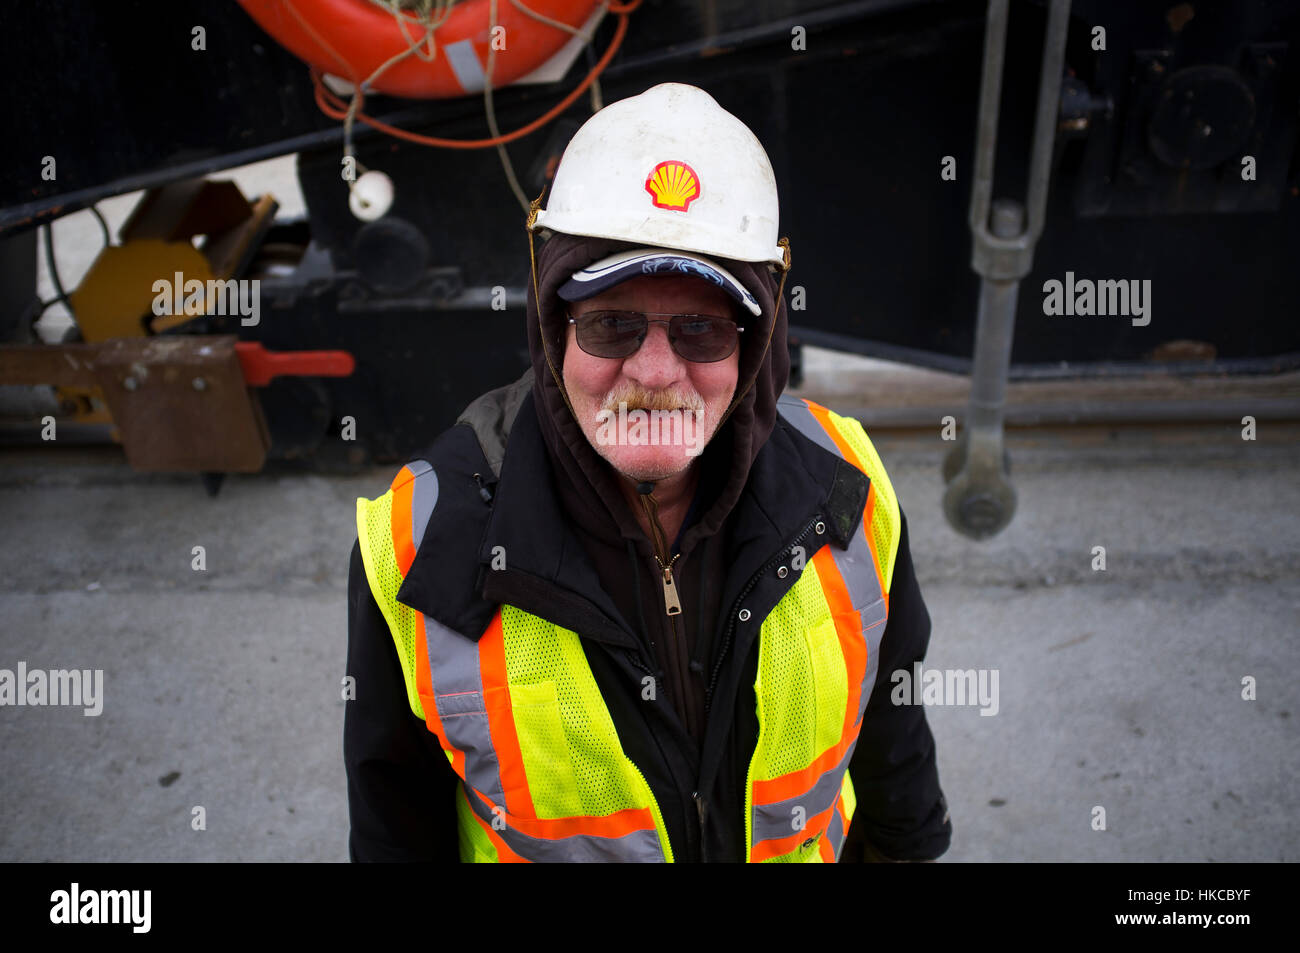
[(810, 853), (544, 746), (828, 694), (873, 614)]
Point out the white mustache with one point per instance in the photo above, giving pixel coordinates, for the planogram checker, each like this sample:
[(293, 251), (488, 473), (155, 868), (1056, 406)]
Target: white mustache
[(634, 398)]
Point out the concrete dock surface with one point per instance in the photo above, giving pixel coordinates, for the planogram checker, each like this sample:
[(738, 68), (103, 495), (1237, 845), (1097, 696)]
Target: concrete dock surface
[(1119, 689)]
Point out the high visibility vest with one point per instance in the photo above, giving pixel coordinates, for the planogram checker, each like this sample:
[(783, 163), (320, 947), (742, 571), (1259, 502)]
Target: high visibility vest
[(521, 719)]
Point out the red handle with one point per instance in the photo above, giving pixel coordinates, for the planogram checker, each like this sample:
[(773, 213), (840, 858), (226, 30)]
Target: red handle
[(260, 365)]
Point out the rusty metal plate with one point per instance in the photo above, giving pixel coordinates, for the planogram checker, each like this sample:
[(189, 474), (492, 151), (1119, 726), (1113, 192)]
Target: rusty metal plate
[(181, 404)]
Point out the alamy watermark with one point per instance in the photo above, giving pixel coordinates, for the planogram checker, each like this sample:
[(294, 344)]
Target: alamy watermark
[(76, 688), (74, 906), (215, 296), (946, 686), (649, 428), (1087, 297), (665, 418)]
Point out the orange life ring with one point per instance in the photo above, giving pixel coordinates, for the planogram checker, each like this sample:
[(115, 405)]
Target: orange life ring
[(353, 38)]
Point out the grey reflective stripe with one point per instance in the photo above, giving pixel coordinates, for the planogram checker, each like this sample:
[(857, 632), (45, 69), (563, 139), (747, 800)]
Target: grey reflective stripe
[(858, 570), (874, 618), (638, 847), (458, 691), (424, 497), (835, 834), (454, 664), (858, 567), (464, 63), (775, 820), (797, 412)]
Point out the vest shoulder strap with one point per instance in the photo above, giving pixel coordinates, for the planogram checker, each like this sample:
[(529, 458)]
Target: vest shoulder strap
[(437, 494), (389, 529), (845, 437)]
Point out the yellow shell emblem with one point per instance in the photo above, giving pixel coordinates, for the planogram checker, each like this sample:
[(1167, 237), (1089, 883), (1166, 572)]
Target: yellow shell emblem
[(672, 185)]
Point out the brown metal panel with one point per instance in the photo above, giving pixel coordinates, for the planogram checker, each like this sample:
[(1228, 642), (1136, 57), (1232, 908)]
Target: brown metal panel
[(181, 404)]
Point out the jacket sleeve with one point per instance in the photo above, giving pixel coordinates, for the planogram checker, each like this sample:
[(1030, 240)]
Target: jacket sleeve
[(901, 812), (401, 788)]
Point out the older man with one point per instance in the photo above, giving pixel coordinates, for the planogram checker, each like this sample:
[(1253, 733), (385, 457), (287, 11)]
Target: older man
[(637, 606)]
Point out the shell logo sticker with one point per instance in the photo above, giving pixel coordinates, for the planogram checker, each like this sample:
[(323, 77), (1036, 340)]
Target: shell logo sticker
[(672, 185)]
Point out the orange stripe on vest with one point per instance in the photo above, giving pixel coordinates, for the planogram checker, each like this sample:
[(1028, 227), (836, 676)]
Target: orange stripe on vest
[(403, 546), (501, 720), (848, 627), (822, 415)]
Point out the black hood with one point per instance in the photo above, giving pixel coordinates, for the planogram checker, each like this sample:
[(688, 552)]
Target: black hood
[(589, 485)]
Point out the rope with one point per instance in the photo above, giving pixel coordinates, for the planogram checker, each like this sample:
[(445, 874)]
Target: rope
[(506, 164), (429, 15)]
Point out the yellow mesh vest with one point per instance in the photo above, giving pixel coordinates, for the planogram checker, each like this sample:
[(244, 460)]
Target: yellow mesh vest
[(571, 755), (374, 522)]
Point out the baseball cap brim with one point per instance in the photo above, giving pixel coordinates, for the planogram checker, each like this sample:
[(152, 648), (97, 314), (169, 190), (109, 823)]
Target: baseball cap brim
[(604, 274)]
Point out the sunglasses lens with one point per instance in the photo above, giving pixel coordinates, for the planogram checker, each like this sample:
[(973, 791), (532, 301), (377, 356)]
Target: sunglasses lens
[(703, 338), (700, 338), (611, 334)]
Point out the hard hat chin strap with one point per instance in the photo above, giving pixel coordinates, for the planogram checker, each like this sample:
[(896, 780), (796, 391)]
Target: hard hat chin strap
[(776, 309), (537, 297)]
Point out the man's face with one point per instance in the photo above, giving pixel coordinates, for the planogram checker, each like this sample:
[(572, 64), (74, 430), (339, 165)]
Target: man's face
[(672, 406)]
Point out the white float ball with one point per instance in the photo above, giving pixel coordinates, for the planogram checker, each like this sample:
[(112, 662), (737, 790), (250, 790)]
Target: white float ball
[(372, 196)]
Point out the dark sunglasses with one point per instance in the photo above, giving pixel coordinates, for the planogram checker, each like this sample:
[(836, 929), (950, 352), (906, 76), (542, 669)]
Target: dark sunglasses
[(701, 338)]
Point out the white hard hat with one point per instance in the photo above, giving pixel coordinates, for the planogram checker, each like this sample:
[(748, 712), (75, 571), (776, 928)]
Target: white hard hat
[(669, 168)]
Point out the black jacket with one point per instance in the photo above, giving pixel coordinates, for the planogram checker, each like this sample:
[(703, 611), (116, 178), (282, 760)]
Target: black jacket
[(400, 785)]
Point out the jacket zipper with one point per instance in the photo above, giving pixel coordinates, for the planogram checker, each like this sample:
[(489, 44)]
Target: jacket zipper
[(635, 659), (731, 616), (672, 607), (672, 604)]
